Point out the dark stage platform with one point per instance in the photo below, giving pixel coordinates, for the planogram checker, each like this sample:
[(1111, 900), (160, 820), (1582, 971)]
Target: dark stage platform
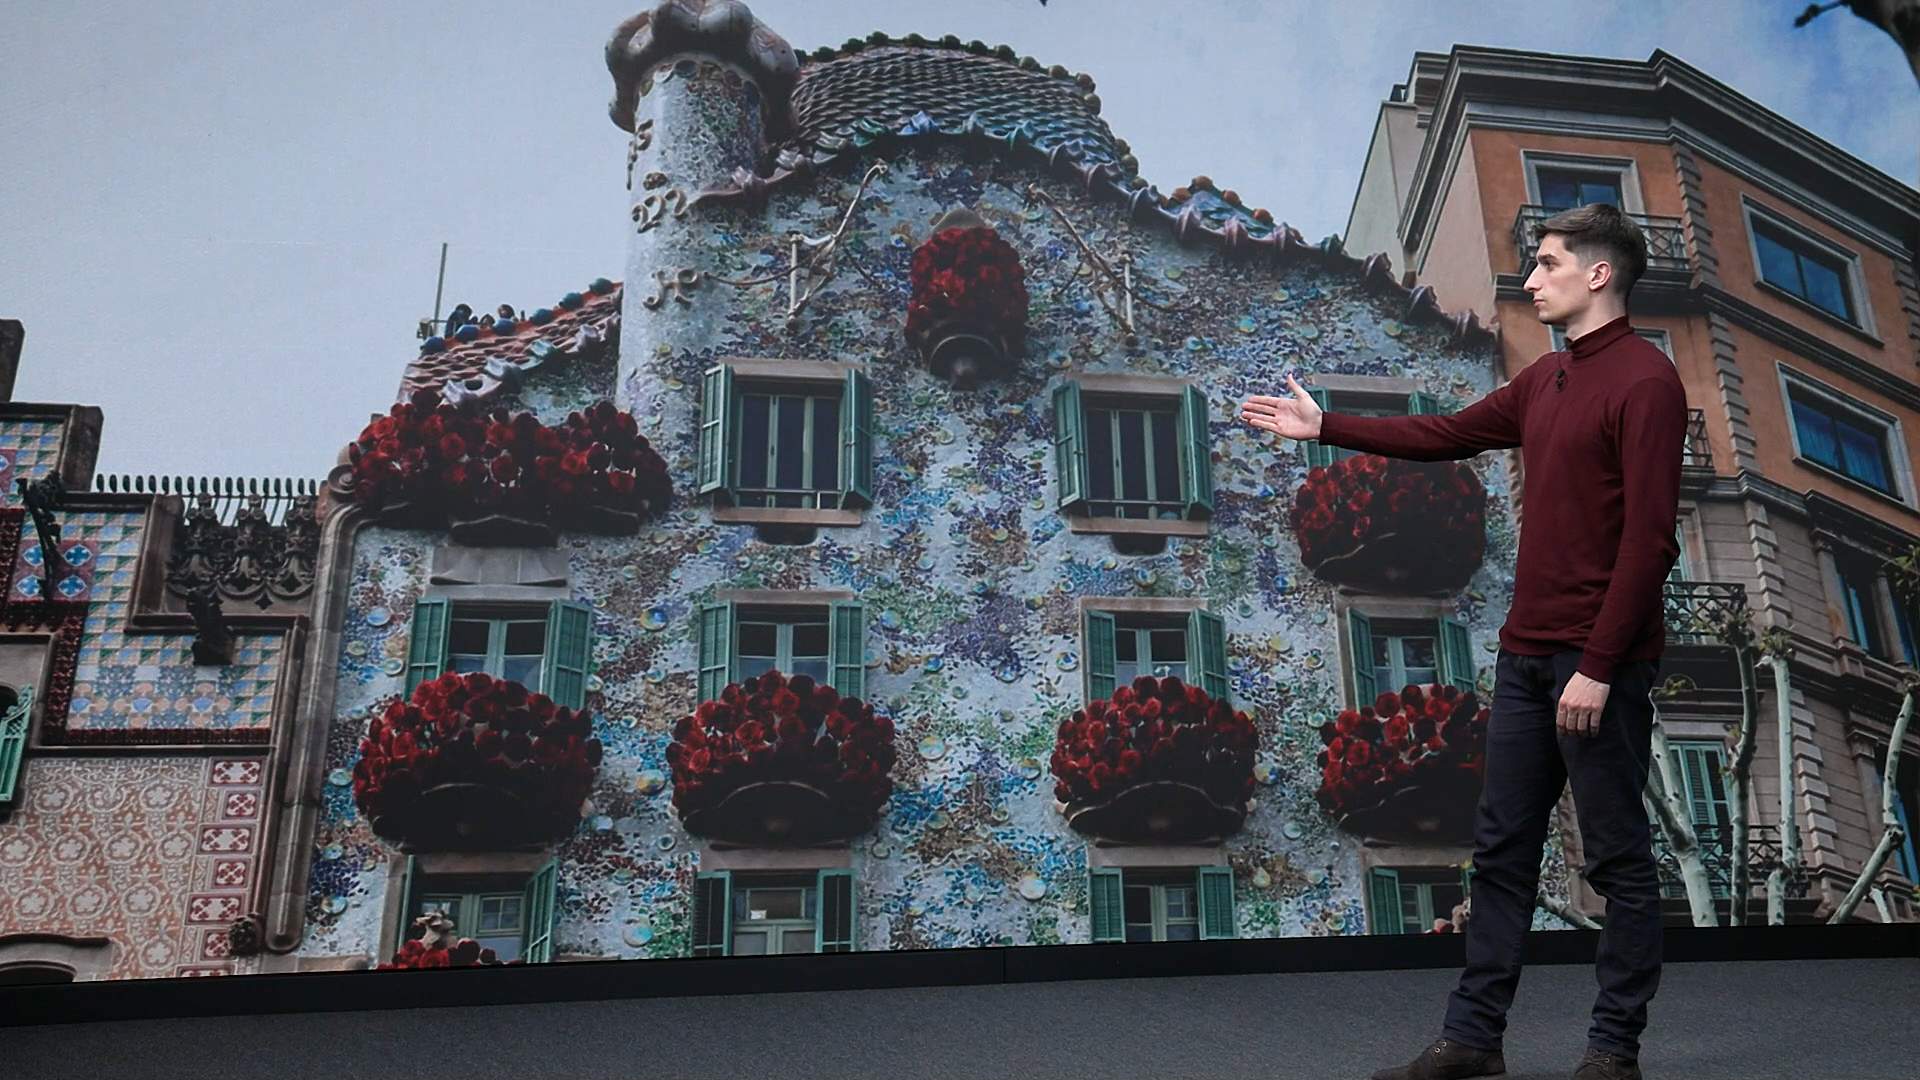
[(1714, 1019)]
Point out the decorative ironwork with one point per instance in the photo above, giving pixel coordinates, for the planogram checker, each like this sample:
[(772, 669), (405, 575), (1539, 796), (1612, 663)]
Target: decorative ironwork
[(1716, 857), (1697, 610), (1666, 240), (254, 540), (43, 498), (1696, 453)]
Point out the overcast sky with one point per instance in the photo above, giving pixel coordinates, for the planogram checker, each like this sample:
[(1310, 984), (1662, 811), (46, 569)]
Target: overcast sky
[(221, 221)]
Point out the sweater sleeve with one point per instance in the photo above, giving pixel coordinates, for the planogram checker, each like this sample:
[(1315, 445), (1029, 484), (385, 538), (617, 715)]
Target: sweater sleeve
[(1653, 429), (1492, 423)]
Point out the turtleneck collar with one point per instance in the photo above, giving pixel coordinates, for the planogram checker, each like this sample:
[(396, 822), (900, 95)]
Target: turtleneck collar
[(1589, 344)]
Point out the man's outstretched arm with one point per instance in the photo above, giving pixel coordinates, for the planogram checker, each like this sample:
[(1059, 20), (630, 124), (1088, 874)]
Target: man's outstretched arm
[(1492, 423)]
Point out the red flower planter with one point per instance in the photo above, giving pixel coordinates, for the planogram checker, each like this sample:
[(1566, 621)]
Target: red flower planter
[(968, 308), (506, 479), (473, 762), (1414, 775), (1160, 762), (1390, 525), (778, 761), (435, 949)]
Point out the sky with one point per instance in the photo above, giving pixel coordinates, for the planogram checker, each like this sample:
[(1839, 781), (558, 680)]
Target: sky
[(221, 221)]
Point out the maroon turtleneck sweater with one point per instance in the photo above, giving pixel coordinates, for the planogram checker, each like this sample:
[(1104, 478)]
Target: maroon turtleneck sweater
[(1602, 449)]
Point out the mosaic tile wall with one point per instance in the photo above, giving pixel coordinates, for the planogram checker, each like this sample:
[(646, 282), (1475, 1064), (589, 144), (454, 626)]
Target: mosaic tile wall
[(28, 448), (145, 681), (968, 572), (157, 854)]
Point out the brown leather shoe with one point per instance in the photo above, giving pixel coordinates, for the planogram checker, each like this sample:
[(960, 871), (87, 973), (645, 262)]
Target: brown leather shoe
[(1605, 1065), (1448, 1060)]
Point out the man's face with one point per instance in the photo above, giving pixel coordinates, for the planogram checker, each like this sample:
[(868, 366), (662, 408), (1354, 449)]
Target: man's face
[(1561, 285)]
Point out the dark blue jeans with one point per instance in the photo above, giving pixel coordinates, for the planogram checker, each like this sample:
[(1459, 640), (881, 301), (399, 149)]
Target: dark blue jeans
[(1528, 764)]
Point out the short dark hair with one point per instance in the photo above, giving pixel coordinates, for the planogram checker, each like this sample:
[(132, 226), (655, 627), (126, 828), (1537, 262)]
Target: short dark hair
[(1597, 232)]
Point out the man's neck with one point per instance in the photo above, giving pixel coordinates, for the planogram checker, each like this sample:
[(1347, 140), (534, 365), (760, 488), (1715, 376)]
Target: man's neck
[(1592, 319)]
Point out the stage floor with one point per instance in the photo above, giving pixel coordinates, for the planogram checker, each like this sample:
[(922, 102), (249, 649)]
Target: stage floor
[(1750, 1020)]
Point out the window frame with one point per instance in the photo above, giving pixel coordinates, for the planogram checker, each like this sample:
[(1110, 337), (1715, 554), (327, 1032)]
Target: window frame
[(783, 618), (1853, 278), (1082, 392), (1858, 575), (1427, 877), (1206, 634), (498, 616), (1157, 884), (717, 445), (810, 394), (722, 887), (1893, 435), (1627, 168), (496, 873)]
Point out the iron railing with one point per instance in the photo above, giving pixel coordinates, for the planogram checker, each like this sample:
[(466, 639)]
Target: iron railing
[(1694, 608), (1717, 859), (1666, 240), (226, 495)]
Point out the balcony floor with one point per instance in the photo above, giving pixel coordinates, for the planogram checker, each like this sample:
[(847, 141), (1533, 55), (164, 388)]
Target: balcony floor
[(1752, 1020)]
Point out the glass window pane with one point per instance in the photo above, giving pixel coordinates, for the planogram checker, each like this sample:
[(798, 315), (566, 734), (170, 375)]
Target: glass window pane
[(1133, 455), (1826, 287), (1139, 932), (753, 440), (1139, 904), (1124, 674), (449, 905), (1556, 192), (506, 947), (527, 638), (1126, 641), (1099, 436), (1183, 931), (1418, 652), (469, 636), (815, 669), (1818, 440), (792, 431), (1778, 266), (809, 639), (750, 666), (796, 941), (464, 664), (499, 913), (1179, 902), (1863, 455), (524, 670), (775, 904), (1166, 457), (1410, 921), (759, 639), (749, 943), (826, 444), (1169, 646)]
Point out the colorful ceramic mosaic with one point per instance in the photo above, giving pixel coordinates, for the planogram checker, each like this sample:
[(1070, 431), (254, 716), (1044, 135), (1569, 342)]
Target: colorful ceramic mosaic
[(156, 854), (29, 449)]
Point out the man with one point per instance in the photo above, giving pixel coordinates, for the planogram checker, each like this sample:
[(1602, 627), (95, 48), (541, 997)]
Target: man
[(1601, 427)]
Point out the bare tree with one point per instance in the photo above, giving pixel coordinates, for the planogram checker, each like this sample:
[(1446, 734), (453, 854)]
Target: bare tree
[(1899, 18), (1667, 806), (1893, 834), (1776, 647)]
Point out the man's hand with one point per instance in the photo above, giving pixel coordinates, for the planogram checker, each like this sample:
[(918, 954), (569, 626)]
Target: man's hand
[(1295, 417), (1580, 705)]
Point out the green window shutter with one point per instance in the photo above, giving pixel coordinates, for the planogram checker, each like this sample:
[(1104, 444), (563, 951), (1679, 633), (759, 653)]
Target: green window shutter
[(1069, 445), (715, 470), (1384, 891), (715, 649), (13, 745), (1100, 655), (1456, 656), (856, 437), (1318, 453), (713, 913), (409, 878), (1699, 763), (427, 647), (1106, 899), (847, 647), (833, 930), (1360, 637), (537, 909), (1420, 403), (1207, 639), (1216, 902), (1196, 454), (563, 670)]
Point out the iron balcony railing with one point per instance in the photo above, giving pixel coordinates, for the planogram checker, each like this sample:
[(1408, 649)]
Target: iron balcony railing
[(1666, 240), (1716, 858), (1694, 608)]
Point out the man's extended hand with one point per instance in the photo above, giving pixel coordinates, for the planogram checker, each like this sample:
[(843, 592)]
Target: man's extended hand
[(1580, 705), (1296, 416)]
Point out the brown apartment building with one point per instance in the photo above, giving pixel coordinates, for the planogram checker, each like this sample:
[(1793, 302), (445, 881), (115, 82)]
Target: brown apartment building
[(1782, 283)]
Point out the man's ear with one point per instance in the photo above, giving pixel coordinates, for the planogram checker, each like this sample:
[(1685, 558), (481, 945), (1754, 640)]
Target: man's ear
[(1599, 276)]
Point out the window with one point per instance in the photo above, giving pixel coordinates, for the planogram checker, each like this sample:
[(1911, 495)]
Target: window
[(1121, 646), (769, 914), (1353, 403), (827, 642), (16, 708), (797, 443), (1132, 456), (1846, 440), (511, 915), (1137, 905), (1390, 654), (547, 649), (1701, 766), (1859, 602), (1563, 188), (1802, 269), (1407, 900)]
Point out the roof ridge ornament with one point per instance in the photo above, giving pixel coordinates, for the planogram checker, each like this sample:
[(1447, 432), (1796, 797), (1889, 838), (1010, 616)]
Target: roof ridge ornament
[(725, 30)]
